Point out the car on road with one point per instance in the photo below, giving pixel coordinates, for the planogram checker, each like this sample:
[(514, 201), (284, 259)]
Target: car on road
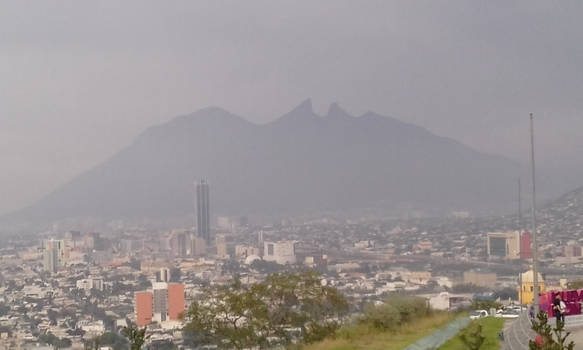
[(476, 314), (507, 313), (516, 307)]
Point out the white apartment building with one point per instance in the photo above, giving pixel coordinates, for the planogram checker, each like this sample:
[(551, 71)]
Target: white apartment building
[(282, 252)]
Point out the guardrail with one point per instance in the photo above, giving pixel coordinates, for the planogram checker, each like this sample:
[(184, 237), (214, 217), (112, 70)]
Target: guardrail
[(573, 321)]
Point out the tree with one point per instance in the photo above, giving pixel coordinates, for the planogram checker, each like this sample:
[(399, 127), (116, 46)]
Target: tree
[(231, 267), (409, 307), (52, 315), (143, 282), (507, 293), (382, 317), (137, 337), (472, 336), (51, 339), (468, 288), (4, 309), (163, 345), (549, 338), (266, 314), (115, 340), (92, 344), (396, 310), (485, 305)]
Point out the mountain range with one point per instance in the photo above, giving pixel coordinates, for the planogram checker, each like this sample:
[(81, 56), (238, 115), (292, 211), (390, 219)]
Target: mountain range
[(298, 163)]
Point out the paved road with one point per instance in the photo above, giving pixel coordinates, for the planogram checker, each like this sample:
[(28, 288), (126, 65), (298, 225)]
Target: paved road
[(577, 337)]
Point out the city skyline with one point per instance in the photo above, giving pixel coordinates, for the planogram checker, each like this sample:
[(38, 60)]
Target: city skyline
[(235, 175)]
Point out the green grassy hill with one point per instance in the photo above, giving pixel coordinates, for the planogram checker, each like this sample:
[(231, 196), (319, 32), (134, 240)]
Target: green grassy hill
[(491, 326), (364, 337)]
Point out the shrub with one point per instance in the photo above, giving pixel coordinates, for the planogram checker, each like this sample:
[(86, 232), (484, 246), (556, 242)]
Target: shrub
[(472, 336), (485, 305), (549, 338), (395, 311), (409, 307), (317, 332), (383, 316)]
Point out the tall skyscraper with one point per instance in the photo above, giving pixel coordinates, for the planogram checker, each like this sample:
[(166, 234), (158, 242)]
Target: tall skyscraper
[(203, 228), (50, 259), (179, 243), (53, 255)]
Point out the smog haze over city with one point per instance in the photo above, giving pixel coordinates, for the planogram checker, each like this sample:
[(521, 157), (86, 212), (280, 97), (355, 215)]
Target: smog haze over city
[(162, 160)]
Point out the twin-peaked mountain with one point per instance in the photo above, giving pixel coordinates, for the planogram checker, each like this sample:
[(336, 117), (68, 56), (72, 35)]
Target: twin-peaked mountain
[(299, 163)]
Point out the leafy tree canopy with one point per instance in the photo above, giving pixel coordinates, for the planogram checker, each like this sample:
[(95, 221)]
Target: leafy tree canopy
[(267, 314)]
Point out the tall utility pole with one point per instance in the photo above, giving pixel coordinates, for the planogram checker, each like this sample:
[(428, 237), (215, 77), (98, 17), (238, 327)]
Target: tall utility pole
[(520, 240), (535, 302), (519, 208)]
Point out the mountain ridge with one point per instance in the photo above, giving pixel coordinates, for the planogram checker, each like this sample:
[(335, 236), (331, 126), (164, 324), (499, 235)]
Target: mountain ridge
[(298, 162)]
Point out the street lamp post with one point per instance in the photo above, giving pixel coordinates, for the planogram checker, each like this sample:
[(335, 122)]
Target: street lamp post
[(534, 233)]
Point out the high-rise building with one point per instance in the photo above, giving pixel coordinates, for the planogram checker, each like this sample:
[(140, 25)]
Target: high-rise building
[(179, 243), (197, 246), (260, 242), (203, 229), (50, 259), (143, 308), (164, 302), (504, 245), (160, 301), (54, 254), (176, 303), (283, 252), (164, 274), (260, 237), (222, 247)]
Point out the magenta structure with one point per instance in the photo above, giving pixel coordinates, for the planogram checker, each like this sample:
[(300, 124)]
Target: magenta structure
[(572, 299)]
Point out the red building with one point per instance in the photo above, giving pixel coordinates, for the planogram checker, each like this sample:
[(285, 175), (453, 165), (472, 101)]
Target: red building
[(169, 302), (175, 301), (143, 308), (525, 249)]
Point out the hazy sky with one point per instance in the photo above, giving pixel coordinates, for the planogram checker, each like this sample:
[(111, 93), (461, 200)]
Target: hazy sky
[(80, 79)]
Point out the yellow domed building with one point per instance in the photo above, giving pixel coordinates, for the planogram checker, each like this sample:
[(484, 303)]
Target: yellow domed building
[(527, 287)]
